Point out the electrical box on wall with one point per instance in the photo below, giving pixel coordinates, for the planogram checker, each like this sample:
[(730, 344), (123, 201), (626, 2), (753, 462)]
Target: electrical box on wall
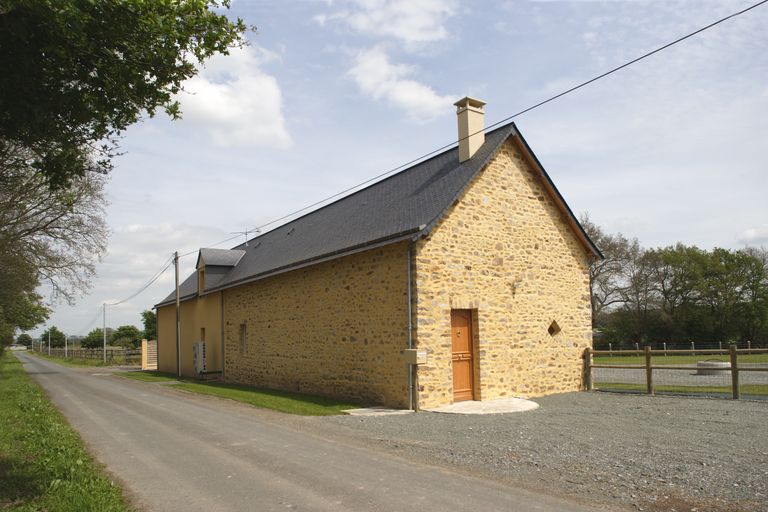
[(415, 356)]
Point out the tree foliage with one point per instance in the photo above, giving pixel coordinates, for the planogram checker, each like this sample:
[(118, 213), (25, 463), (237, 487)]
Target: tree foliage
[(149, 319), (128, 336), (94, 339), (57, 337), (24, 339), (679, 293), (78, 73)]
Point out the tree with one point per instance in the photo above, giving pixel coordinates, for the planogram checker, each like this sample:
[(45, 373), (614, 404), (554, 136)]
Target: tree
[(149, 319), (56, 236), (77, 74), (94, 339), (57, 337), (20, 306), (607, 276), (24, 339), (126, 336)]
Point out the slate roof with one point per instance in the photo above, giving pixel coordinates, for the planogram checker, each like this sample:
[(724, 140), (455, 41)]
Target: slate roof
[(401, 206)]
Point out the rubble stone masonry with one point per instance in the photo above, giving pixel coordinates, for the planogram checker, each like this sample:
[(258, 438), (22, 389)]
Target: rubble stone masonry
[(336, 329), (505, 251)]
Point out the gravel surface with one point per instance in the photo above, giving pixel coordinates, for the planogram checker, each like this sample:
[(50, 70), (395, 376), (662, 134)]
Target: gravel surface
[(653, 453)]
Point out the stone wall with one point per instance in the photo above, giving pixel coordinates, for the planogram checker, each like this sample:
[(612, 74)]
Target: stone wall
[(506, 252), (336, 328)]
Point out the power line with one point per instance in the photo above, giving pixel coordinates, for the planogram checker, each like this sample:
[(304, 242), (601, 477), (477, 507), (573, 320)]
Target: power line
[(506, 119), (84, 330), (154, 278)]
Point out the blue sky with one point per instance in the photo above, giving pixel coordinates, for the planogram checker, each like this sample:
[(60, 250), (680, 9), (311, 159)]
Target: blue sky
[(329, 94)]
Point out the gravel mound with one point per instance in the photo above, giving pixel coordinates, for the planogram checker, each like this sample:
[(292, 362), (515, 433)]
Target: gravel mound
[(651, 453)]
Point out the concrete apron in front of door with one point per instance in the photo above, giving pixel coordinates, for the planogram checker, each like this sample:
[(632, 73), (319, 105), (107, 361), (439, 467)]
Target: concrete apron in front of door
[(500, 406)]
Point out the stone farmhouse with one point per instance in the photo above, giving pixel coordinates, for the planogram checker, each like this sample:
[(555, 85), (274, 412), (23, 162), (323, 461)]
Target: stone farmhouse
[(463, 277)]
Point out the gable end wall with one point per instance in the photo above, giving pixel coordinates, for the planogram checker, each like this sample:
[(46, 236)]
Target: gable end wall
[(505, 251)]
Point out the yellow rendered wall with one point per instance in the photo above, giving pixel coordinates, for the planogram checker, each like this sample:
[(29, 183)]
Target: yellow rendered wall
[(166, 339), (505, 251), (336, 329), (196, 313)]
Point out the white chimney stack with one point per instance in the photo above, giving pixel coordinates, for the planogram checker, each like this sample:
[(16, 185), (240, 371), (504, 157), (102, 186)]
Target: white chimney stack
[(470, 112)]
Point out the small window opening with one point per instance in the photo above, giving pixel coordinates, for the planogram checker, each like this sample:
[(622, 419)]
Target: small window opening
[(202, 334), (553, 328), (243, 339)]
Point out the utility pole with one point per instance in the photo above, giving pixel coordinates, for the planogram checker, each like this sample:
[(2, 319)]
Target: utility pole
[(66, 343), (178, 315), (104, 331), (49, 341)]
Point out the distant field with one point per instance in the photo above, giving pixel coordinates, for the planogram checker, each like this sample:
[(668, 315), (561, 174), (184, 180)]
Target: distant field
[(681, 359), (745, 389)]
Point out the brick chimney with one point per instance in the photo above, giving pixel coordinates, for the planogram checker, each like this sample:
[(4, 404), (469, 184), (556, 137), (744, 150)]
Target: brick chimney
[(470, 112)]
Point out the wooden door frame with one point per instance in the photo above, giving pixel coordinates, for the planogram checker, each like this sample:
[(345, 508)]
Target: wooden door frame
[(474, 377)]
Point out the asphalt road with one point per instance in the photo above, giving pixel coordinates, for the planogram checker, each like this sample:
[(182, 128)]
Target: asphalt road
[(177, 451)]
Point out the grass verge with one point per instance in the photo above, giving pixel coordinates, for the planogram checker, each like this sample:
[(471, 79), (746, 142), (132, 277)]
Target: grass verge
[(746, 389), (70, 362), (43, 464), (283, 401), (745, 359)]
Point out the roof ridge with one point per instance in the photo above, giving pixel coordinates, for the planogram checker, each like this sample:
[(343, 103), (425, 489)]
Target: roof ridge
[(387, 178)]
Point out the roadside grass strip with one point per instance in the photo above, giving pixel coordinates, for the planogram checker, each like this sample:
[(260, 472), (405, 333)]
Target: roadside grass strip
[(745, 389), (43, 463), (71, 362), (673, 360), (283, 401)]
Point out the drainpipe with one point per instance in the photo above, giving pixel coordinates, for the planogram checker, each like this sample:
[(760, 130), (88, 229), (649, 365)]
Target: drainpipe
[(411, 398), (221, 335)]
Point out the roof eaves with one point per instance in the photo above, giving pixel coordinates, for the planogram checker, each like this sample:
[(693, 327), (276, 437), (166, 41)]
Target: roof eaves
[(373, 244)]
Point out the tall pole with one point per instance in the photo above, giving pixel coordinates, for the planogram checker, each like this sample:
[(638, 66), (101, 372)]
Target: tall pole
[(49, 341), (66, 342), (104, 331), (178, 315)]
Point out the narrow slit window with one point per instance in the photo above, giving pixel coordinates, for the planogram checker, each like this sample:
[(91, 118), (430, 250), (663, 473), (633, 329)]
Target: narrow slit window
[(554, 329), (202, 334), (243, 339)]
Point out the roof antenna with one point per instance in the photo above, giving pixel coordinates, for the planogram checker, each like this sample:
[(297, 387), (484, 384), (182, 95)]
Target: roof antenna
[(254, 231)]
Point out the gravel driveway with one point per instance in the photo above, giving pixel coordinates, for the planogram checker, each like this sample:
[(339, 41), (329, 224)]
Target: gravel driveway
[(655, 453)]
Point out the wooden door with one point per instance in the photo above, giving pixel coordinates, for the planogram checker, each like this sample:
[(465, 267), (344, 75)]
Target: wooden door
[(462, 360)]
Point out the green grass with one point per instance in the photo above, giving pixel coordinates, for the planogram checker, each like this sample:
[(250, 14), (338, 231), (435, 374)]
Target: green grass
[(746, 389), (283, 401), (673, 360), (70, 362), (43, 464)]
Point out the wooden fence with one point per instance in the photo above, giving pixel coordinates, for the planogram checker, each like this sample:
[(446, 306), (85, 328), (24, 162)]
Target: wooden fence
[(115, 355), (732, 366)]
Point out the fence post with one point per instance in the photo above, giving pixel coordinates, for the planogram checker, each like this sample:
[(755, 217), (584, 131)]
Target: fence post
[(610, 349), (637, 346), (588, 369), (693, 348), (648, 370), (734, 373), (749, 345), (665, 349)]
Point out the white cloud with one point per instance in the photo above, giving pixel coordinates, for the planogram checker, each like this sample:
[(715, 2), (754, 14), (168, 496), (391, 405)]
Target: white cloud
[(236, 102), (755, 236), (411, 21), (382, 80)]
